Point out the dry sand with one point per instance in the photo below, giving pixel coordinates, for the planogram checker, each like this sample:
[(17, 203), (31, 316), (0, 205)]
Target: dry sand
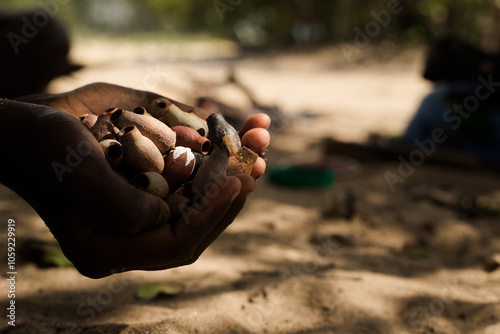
[(402, 264)]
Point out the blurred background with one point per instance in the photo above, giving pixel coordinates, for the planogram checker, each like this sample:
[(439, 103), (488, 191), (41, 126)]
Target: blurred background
[(276, 24), (160, 46), (358, 241)]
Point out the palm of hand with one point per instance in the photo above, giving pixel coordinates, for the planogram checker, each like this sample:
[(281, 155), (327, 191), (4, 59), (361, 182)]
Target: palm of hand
[(98, 97)]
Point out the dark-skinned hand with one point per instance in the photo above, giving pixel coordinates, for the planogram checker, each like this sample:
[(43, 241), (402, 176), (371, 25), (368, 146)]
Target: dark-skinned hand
[(103, 224)]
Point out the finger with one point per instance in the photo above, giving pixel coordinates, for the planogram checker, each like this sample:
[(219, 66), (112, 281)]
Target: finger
[(260, 120), (177, 244), (247, 189), (259, 168), (257, 140)]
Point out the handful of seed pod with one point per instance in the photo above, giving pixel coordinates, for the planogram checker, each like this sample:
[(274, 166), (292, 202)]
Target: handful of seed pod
[(170, 153)]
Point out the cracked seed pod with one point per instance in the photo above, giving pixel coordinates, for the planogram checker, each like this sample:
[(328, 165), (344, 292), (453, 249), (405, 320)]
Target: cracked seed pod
[(150, 127), (113, 151), (140, 153), (170, 114), (153, 183), (188, 137), (222, 134), (179, 165), (88, 120), (101, 130)]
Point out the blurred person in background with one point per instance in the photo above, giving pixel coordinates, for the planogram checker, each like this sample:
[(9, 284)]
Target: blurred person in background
[(465, 102), (34, 50)]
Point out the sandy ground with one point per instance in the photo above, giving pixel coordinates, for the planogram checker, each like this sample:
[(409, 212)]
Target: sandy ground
[(402, 264)]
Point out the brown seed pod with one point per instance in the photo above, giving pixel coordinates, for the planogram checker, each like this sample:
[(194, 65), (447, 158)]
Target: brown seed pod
[(141, 111), (188, 137), (159, 109), (101, 130), (179, 165), (170, 114), (222, 134), (113, 129), (110, 111), (178, 205), (140, 153), (88, 120), (242, 162), (150, 127), (113, 151), (153, 183), (212, 170)]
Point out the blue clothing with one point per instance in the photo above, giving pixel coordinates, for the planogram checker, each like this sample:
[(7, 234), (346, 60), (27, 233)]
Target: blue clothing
[(475, 131)]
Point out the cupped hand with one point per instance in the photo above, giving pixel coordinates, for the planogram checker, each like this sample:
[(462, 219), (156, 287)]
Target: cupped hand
[(98, 97), (103, 224)]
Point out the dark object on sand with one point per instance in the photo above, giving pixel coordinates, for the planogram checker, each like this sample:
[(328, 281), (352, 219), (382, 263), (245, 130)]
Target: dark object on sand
[(342, 204), (392, 152), (465, 204), (35, 50)]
